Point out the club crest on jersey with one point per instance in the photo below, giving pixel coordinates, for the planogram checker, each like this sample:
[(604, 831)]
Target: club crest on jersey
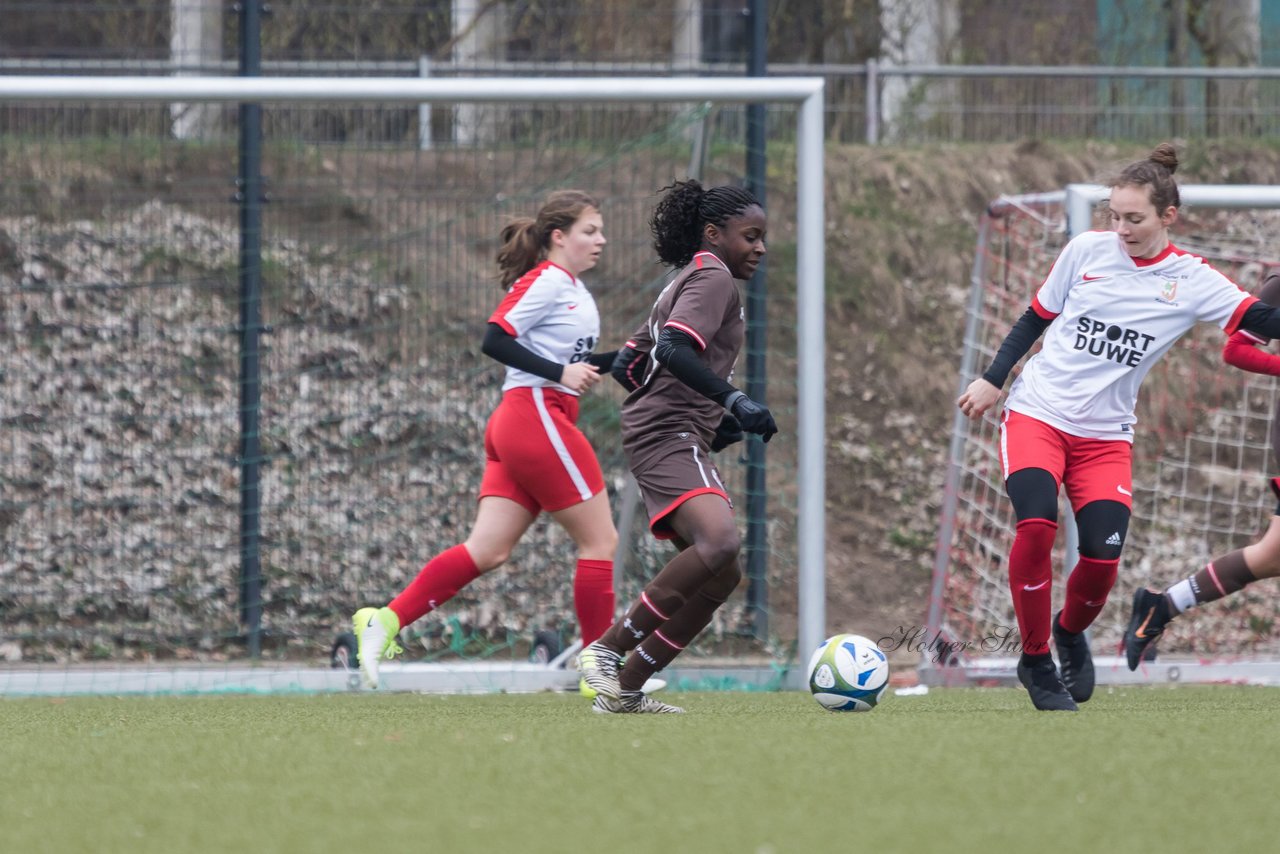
[(1168, 292)]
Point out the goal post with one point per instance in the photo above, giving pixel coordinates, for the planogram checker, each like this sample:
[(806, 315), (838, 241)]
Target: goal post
[(340, 356), (1201, 458)]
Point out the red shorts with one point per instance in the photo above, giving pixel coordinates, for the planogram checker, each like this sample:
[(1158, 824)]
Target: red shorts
[(1090, 469), (534, 453)]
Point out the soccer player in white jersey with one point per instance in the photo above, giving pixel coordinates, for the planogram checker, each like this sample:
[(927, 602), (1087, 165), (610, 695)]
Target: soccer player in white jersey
[(1232, 572), (545, 331), (1114, 302)]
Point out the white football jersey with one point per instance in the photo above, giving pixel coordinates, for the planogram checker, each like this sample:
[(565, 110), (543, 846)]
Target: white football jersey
[(1114, 316), (551, 313)]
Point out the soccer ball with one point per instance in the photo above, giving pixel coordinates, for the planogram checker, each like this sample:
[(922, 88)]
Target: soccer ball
[(848, 673)]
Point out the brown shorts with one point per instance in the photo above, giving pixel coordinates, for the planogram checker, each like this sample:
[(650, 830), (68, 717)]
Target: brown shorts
[(670, 470)]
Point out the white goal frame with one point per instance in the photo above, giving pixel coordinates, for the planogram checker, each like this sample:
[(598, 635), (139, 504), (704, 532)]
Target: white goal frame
[(806, 92)]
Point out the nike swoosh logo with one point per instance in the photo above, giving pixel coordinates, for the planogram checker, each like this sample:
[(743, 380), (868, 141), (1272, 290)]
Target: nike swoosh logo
[(1089, 278), (1123, 491), (572, 306), (1141, 633), (1030, 587)]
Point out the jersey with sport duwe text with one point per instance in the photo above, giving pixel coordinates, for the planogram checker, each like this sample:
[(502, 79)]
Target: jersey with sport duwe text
[(552, 314), (1113, 317), (703, 302)]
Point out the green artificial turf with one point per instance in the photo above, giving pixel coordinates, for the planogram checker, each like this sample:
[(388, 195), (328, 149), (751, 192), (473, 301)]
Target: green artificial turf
[(1145, 769)]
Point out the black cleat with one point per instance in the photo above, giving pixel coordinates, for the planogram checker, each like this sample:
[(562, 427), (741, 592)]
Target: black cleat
[(1146, 624), (1040, 678), (1077, 661)]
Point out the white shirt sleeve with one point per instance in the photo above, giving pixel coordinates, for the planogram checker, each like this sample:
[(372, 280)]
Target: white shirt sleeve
[(1221, 300), (1052, 296), (525, 306)]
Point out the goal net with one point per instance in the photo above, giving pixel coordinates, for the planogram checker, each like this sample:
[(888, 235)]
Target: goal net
[(121, 269), (1202, 458)]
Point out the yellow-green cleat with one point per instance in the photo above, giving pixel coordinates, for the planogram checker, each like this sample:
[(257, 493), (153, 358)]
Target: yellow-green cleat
[(375, 630), (651, 685)]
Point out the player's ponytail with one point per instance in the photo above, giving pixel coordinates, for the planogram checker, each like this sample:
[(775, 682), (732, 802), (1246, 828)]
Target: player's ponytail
[(678, 220), (525, 240), (1156, 173)]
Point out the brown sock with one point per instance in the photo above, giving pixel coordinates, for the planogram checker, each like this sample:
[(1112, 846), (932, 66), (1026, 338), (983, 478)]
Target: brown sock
[(669, 640), (1222, 577), (661, 599)]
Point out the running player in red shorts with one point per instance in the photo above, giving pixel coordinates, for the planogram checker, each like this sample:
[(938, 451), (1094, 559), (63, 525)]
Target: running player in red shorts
[(677, 367), (1222, 576), (545, 331), (1113, 304)]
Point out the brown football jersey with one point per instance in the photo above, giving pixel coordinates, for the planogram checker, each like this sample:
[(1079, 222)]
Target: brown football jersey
[(703, 302)]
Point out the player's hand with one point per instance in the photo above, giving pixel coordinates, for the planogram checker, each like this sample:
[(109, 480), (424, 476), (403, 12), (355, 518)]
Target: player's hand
[(579, 376), (978, 398), (754, 417), (728, 432)]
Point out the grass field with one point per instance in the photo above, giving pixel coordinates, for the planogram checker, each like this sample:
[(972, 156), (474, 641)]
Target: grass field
[(1140, 769)]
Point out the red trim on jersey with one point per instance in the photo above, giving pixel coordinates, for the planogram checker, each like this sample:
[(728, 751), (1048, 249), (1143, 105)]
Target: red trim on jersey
[(1236, 316), (571, 276), (517, 290), (1041, 310), (1160, 256), (697, 259), (688, 330)]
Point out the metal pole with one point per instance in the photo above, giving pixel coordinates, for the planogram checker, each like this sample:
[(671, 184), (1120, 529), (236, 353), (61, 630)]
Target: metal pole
[(873, 102), (757, 329), (250, 199), (955, 456), (811, 377)]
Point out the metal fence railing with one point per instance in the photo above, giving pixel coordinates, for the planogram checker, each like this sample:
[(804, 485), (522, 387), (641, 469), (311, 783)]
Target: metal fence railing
[(870, 102)]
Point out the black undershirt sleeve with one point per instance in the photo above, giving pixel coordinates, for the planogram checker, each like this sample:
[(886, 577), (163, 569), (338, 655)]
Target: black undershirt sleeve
[(1016, 344), (675, 352), (499, 345), (1262, 320), (602, 361)]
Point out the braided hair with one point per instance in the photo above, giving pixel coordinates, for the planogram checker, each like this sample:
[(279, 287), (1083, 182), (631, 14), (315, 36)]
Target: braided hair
[(681, 214), (1155, 173)]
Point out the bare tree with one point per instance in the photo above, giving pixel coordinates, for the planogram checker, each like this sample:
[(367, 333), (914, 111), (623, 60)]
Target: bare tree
[(1229, 34)]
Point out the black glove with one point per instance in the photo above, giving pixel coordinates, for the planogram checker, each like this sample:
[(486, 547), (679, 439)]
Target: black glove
[(754, 417), (629, 368), (728, 432)]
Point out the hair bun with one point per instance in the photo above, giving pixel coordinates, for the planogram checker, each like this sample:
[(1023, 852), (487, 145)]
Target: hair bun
[(1165, 155)]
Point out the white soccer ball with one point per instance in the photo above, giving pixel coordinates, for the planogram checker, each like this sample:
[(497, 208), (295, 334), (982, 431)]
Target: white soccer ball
[(848, 673)]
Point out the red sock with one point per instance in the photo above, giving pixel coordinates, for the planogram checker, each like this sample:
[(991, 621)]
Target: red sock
[(437, 583), (593, 597), (1031, 582), (1087, 589)]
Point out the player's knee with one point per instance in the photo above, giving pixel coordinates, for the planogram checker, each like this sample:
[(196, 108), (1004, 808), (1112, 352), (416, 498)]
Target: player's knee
[(488, 557), (1034, 494), (719, 549), (601, 545), (1102, 527)]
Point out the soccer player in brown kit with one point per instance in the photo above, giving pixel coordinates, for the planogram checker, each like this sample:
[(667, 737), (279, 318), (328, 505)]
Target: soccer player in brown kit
[(677, 367), (1222, 576)]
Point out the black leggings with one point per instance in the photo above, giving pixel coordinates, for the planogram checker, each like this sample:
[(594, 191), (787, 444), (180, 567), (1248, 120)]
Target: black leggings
[(1101, 525)]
